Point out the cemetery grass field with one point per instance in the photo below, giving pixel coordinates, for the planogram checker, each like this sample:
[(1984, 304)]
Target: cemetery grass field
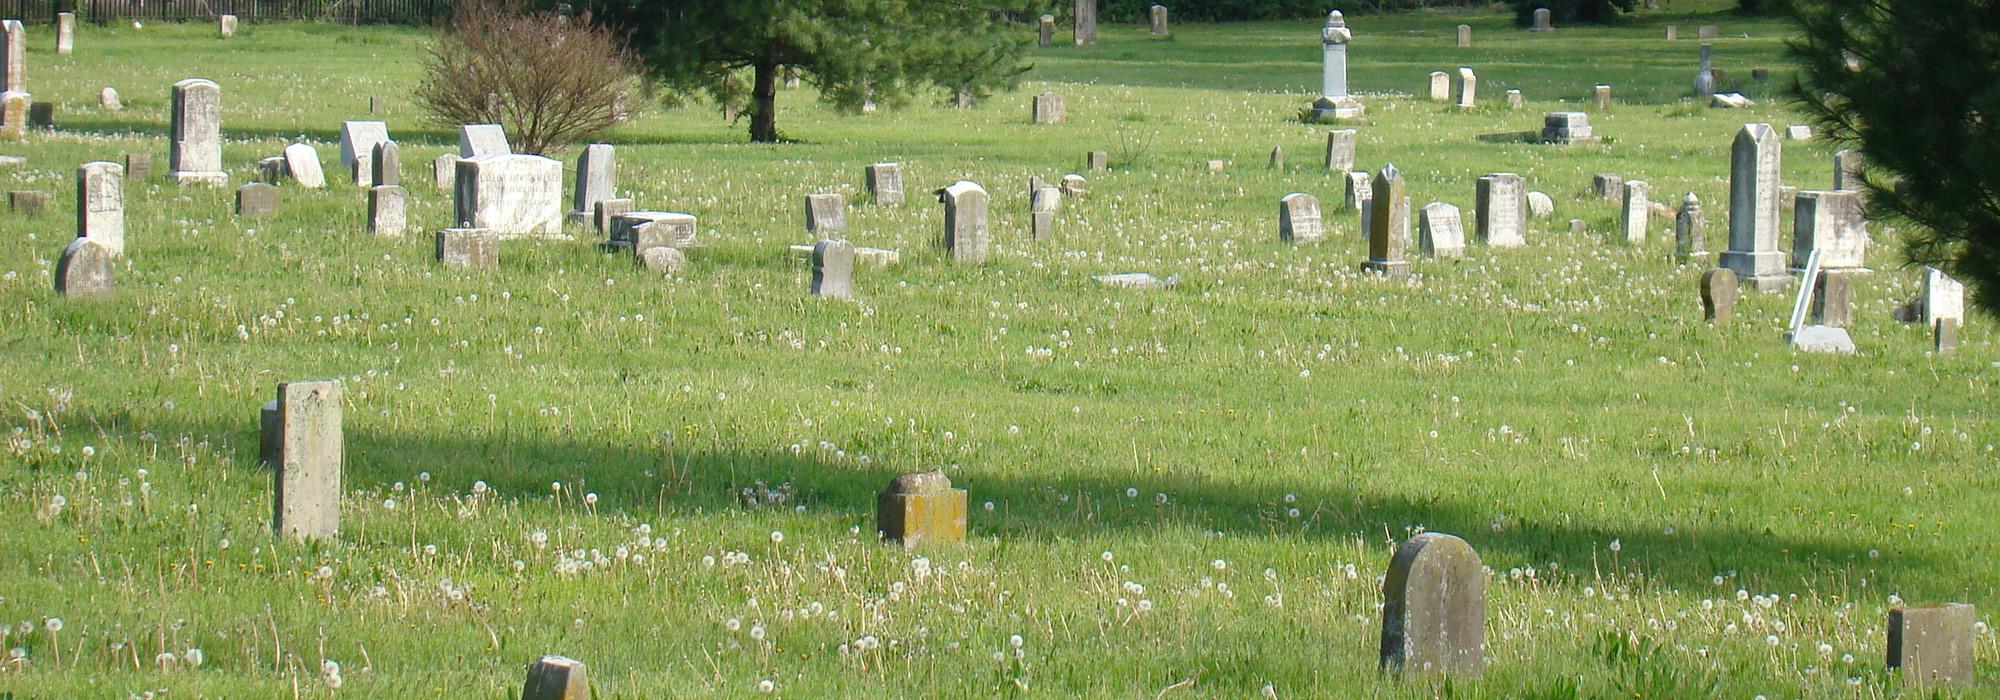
[(1175, 493)]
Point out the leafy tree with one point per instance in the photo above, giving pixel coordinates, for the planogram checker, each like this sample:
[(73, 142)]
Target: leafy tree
[(1569, 11), (853, 51), (1907, 82), (549, 80)]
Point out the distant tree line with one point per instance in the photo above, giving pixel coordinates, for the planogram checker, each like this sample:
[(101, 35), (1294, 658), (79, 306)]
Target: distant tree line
[(1233, 10)]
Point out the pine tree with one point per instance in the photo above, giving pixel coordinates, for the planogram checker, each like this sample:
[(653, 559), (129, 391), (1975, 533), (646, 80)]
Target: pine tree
[(854, 51), (1908, 83)]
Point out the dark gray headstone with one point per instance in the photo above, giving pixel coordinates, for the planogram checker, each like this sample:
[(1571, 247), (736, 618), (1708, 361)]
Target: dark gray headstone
[(1434, 608), (387, 164), (28, 203), (556, 678), (608, 210), (42, 115)]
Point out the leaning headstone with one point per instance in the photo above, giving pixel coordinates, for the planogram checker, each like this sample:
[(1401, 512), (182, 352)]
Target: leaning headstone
[(1635, 217), (1340, 150), (100, 205), (1718, 295), (1360, 189), (195, 154), (1048, 30), (966, 235), (468, 249), (1468, 88), (919, 509), (1465, 36), (1440, 86), (138, 166), (833, 269), (1158, 15), (475, 140), (1049, 108), (556, 678), (302, 163), (1944, 297), (1753, 210), (885, 183), (107, 99), (1690, 231), (388, 210), (1673, 32), (510, 195), (1831, 223), (608, 210), (1388, 225), (1944, 336), (1434, 608), (1042, 205), (444, 171), (1542, 23), (1567, 128), (826, 214), (310, 458), (1608, 186), (1299, 219), (1499, 205), (1085, 17), (1798, 132), (1334, 102), (596, 179), (1540, 205), (256, 200), (1440, 233), (387, 164), (27, 203), (86, 270), (1601, 97), (65, 33), (357, 149), (1729, 101), (225, 26), (14, 44)]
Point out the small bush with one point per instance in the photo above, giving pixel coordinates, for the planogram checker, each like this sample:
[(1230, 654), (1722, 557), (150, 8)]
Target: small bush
[(550, 80)]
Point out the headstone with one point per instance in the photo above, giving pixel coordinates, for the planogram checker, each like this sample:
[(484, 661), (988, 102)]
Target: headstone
[(1540, 205), (1601, 97), (1704, 74), (1042, 205), (226, 26), (1831, 223), (256, 200), (1388, 224), (665, 260), (792, 76), (645, 230), (1542, 23), (1635, 217), (1718, 295), (596, 178), (1440, 233), (1706, 32), (1360, 189), (1729, 101), (833, 269), (65, 33), (357, 149), (1468, 88), (1753, 210), (1673, 32), (556, 678), (510, 195), (468, 249), (1944, 297), (966, 236), (1514, 100), (1434, 608), (388, 210), (271, 434), (28, 203), (1048, 33), (1833, 301), (375, 104), (885, 183), (138, 166), (1798, 132), (310, 458), (1690, 231), (274, 170), (1465, 36), (108, 100), (1278, 157), (1499, 204), (444, 171), (1340, 150), (1440, 86), (195, 154), (608, 210), (1299, 220), (302, 163), (42, 115), (1216, 166), (14, 44), (475, 140), (1847, 166), (1049, 108), (1567, 127), (1086, 22), (1823, 339), (86, 270), (1608, 186), (100, 205), (1945, 336), (919, 509), (1097, 160), (387, 164), (826, 214), (1159, 20), (1334, 102), (1073, 186)]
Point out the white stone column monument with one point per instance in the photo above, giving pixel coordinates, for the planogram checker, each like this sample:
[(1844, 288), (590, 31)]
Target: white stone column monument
[(1334, 102)]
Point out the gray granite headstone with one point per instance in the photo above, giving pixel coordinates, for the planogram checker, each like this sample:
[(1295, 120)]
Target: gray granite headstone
[(1158, 15), (596, 178), (966, 235), (388, 210), (1636, 215), (271, 438), (1542, 23), (1753, 210), (100, 205), (85, 270), (1567, 128), (1833, 301), (645, 230), (195, 149), (1086, 22), (444, 172), (311, 456), (1042, 207), (826, 214), (1831, 223), (608, 210), (1434, 608), (1608, 186), (1388, 224), (511, 195), (256, 200), (1299, 219), (387, 164), (1500, 205), (28, 202), (1690, 231), (1340, 151), (1049, 108), (833, 269)]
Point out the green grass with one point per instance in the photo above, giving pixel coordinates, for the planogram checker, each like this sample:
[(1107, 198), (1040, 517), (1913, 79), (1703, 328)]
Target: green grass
[(1624, 468)]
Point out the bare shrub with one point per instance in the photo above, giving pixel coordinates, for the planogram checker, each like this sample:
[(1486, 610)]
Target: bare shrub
[(550, 80)]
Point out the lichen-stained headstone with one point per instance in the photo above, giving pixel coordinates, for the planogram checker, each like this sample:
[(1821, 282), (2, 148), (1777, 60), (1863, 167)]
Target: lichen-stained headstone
[(1718, 295), (1299, 219), (388, 210), (85, 270), (1932, 645), (1049, 108), (311, 455), (919, 509), (833, 269), (1434, 608), (468, 249), (1340, 150), (100, 205)]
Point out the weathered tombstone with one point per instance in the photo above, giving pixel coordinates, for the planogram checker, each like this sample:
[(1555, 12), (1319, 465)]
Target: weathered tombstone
[(1601, 97), (1706, 32), (1636, 216), (1576, 228), (1540, 205), (100, 205), (375, 104), (271, 434), (387, 164), (42, 115), (510, 195), (274, 170), (1158, 15), (1718, 295), (966, 235), (596, 179), (1514, 100), (1831, 223), (1278, 157), (14, 44), (302, 163), (444, 171), (1388, 225), (475, 140), (1048, 30), (1097, 160), (826, 214), (1608, 186), (1216, 166), (1690, 231), (1340, 150), (86, 270), (225, 26), (357, 149), (1334, 102), (1299, 220), (1944, 336), (1049, 108), (256, 200), (468, 249), (665, 260), (1542, 23), (107, 99), (1085, 16), (1499, 204), (1434, 608), (1673, 32), (1567, 128), (1468, 88), (1360, 189), (1847, 166), (919, 509), (1137, 280), (28, 203), (388, 210), (1833, 301), (138, 166), (556, 678), (1944, 297), (1465, 36), (885, 183), (1440, 232), (608, 210), (1074, 186), (1704, 74), (1932, 645), (195, 154), (1798, 132), (1440, 86), (65, 33), (644, 230), (792, 76), (306, 505), (1042, 205), (1753, 210), (14, 115), (833, 269)]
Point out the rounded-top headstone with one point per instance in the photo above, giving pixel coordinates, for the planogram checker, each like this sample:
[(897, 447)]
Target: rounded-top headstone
[(1434, 607), (921, 483), (85, 270)]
